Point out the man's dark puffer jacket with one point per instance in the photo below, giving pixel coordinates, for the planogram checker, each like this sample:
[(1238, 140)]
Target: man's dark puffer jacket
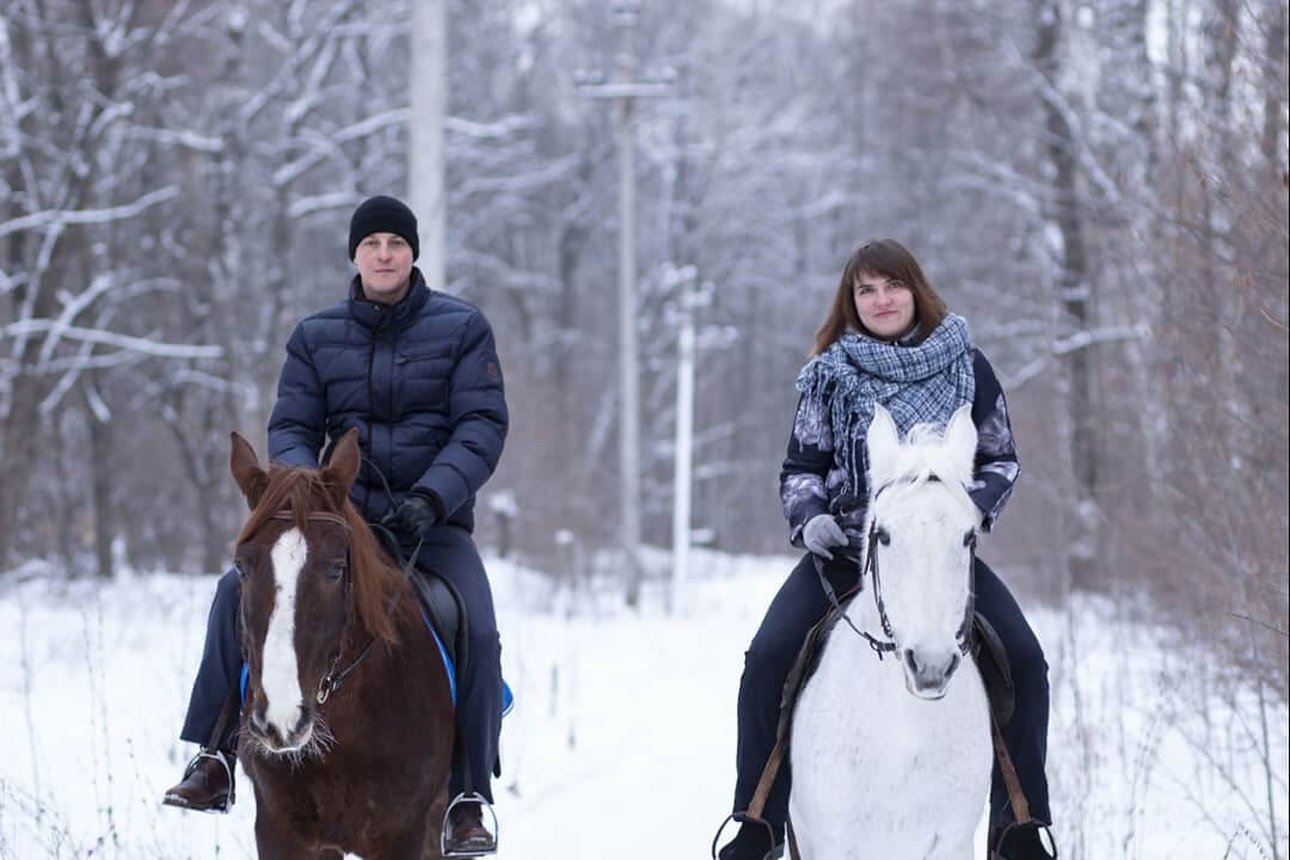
[(420, 380)]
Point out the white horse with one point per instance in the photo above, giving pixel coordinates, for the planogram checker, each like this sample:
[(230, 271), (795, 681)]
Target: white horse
[(889, 759)]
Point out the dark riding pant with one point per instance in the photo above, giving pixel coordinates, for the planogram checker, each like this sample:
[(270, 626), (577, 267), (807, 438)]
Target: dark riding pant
[(451, 553), (220, 672), (800, 603)]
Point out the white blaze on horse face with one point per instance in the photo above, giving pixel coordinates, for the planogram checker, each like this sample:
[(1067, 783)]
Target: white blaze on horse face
[(280, 677)]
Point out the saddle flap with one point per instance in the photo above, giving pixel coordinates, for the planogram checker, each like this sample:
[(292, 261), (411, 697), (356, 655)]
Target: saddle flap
[(447, 614), (805, 662), (443, 605)]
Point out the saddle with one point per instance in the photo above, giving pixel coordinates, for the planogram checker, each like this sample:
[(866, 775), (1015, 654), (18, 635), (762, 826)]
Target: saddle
[(441, 603)]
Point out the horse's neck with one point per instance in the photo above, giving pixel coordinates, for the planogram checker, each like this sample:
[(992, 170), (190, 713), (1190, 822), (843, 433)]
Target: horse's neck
[(849, 662)]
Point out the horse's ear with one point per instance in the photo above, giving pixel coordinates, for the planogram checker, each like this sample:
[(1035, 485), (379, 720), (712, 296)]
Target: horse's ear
[(960, 441), (245, 466), (882, 441), (342, 468)]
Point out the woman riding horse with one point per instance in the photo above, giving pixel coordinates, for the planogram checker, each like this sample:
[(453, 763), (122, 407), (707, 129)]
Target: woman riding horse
[(888, 339)]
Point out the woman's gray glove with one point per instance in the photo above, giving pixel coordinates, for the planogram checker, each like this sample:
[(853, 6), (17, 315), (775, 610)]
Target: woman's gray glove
[(821, 534)]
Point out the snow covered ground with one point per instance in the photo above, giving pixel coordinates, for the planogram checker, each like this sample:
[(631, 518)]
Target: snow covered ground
[(623, 739)]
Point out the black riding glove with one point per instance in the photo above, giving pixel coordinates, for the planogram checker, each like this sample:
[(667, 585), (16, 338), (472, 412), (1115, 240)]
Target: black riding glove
[(417, 516)]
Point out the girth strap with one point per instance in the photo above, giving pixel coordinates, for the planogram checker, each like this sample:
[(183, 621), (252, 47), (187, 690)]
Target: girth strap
[(1016, 797)]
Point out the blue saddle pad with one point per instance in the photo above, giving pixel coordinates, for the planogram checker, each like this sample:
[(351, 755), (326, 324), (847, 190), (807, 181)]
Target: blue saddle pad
[(508, 697)]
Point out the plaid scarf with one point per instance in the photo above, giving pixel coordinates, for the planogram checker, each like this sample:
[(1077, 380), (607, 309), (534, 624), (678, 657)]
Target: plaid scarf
[(916, 384)]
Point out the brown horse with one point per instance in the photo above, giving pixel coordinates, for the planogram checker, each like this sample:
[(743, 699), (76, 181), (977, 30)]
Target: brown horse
[(347, 727)]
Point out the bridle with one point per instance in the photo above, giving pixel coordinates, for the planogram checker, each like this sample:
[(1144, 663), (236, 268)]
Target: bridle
[(331, 681), (869, 567)]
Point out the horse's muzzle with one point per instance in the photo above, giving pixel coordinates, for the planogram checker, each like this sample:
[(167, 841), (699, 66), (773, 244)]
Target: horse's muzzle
[(272, 738), (928, 675)]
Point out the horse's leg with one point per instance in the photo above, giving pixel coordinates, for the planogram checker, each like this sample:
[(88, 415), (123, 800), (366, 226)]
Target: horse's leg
[(420, 842), (434, 829), (272, 839)]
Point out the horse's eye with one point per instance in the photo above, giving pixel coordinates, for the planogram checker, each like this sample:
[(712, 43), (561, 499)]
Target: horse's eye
[(336, 572), (884, 537), (241, 570)]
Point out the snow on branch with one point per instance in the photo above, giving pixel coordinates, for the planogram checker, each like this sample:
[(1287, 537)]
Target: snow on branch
[(1082, 339), (502, 128), (121, 341), (1067, 345), (331, 142), (320, 203), (179, 137), (60, 217), (555, 170)]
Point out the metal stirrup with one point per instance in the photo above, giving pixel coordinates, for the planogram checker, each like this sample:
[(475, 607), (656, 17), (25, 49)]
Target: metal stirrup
[(468, 797)]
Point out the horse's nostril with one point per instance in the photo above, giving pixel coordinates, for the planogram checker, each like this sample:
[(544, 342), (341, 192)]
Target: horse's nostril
[(911, 661)]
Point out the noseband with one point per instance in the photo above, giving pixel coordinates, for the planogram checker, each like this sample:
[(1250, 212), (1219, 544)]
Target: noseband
[(870, 567)]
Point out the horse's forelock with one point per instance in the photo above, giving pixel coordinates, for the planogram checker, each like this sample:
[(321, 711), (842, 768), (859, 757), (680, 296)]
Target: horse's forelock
[(923, 434), (920, 456), (289, 489), (909, 465), (375, 581)]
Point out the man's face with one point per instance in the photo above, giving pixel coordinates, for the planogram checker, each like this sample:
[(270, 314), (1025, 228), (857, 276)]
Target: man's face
[(384, 263)]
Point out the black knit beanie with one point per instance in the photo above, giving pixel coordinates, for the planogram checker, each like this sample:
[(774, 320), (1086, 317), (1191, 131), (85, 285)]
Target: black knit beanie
[(383, 214)]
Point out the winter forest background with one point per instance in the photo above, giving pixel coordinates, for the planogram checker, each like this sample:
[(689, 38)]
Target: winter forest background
[(1100, 188)]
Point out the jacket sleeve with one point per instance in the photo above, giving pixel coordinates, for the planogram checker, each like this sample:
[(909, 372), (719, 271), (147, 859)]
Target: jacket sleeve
[(802, 478), (298, 424), (477, 412), (997, 467)]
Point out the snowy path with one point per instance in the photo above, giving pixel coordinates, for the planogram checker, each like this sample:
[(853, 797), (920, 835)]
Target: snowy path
[(622, 744)]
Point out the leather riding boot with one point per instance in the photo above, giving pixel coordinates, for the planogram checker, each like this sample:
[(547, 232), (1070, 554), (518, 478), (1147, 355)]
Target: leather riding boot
[(752, 842), (207, 785), (466, 834)]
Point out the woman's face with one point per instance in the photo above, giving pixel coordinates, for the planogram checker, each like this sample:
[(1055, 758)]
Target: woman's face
[(885, 305)]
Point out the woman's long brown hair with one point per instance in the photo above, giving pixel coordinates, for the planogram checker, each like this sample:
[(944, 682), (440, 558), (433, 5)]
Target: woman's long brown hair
[(885, 258)]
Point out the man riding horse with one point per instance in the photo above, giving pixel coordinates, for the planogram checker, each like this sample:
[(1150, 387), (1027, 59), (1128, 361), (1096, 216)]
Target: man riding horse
[(415, 371)]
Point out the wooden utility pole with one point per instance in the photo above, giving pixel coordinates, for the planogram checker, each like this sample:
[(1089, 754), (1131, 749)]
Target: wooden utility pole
[(428, 84), (689, 297), (624, 89)]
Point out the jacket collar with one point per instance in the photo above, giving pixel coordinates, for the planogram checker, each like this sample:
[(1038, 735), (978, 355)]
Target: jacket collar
[(372, 314)]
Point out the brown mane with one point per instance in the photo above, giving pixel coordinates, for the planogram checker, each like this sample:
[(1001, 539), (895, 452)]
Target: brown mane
[(383, 599)]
